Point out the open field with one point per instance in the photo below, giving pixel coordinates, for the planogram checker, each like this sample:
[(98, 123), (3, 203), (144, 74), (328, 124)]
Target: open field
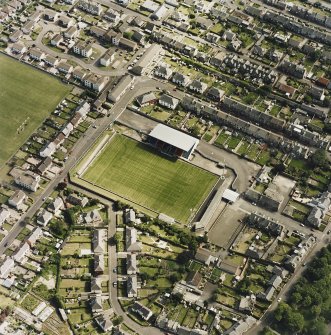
[(25, 94), (138, 173)]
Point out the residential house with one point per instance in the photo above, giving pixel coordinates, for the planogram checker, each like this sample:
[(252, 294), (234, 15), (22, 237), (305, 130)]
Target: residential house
[(65, 68), (66, 21), (56, 206), (77, 200), (82, 48), (44, 166), (163, 71), (127, 44), (48, 150), (17, 199), (98, 241), (132, 286), (168, 101), (28, 180), (68, 128), (71, 32), (28, 27), (50, 15), (112, 16), (132, 245), (96, 304), (228, 35), (146, 99), (6, 267), (34, 236), (120, 88), (4, 215), (144, 312), (99, 264), (293, 69), (44, 218), (320, 207), (287, 90), (215, 94), (96, 285), (97, 32), (212, 38), (204, 256), (104, 323), (36, 54), (198, 86), (91, 7), (56, 40), (275, 281), (131, 264), (194, 278), (317, 93), (79, 74), (159, 13), (180, 79), (19, 256), (18, 48), (107, 58), (129, 216), (95, 82), (92, 217), (51, 61)]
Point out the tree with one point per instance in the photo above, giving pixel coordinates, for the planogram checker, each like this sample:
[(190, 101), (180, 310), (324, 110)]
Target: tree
[(177, 297), (308, 99), (184, 257), (279, 168), (319, 159), (296, 298), (175, 277), (295, 321), (327, 128), (57, 227), (318, 327)]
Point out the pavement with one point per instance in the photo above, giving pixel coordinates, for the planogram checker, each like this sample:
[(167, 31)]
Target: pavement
[(243, 168)]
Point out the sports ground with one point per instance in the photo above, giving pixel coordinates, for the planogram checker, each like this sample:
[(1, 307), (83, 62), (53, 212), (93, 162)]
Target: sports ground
[(140, 174), (25, 94)]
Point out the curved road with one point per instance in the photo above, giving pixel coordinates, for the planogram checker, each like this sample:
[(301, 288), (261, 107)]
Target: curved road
[(49, 27)]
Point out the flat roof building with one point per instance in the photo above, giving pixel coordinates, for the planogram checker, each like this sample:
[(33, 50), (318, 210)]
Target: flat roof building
[(172, 142)]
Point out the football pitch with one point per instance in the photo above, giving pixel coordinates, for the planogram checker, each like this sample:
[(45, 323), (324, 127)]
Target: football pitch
[(140, 174), (26, 94)]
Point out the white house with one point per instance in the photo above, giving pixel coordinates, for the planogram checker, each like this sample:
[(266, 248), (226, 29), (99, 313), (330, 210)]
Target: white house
[(17, 199), (44, 218), (4, 215)]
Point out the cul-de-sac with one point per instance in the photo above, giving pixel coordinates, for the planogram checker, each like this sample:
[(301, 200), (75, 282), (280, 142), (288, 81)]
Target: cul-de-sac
[(165, 167)]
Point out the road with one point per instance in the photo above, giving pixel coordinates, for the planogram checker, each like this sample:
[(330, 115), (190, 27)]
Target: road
[(243, 168), (113, 264), (267, 319), (81, 146), (50, 27)]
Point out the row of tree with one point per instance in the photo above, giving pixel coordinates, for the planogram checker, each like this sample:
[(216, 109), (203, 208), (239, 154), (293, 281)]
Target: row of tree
[(308, 310)]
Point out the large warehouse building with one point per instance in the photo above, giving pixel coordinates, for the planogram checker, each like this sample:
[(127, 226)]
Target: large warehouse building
[(172, 142)]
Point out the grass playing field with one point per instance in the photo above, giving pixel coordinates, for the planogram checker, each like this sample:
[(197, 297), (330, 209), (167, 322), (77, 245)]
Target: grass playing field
[(24, 92), (138, 173)]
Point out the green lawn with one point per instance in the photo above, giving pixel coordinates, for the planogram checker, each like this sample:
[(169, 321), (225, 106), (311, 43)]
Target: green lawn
[(138, 173), (24, 93)]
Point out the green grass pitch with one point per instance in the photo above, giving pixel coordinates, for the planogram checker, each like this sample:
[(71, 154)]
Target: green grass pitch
[(24, 92), (137, 172)]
